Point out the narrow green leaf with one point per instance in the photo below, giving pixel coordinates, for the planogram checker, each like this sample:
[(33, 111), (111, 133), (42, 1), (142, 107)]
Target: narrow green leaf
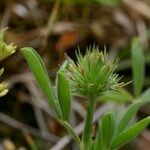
[(109, 2), (127, 117), (38, 69), (138, 66), (105, 132), (64, 96), (117, 96), (130, 133), (131, 111)]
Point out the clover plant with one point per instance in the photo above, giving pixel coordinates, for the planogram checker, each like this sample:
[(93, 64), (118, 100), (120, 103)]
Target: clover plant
[(93, 77)]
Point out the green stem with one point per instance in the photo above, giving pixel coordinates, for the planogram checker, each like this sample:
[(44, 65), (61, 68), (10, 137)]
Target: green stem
[(72, 132), (88, 124)]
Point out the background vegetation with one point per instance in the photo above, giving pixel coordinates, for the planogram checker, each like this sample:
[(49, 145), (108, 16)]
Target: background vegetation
[(57, 27)]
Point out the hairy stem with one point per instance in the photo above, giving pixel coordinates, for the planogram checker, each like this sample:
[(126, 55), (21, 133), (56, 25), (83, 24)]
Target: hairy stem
[(88, 124), (72, 132)]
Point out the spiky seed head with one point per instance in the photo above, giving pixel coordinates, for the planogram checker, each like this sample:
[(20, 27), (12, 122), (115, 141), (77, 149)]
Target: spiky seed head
[(92, 74)]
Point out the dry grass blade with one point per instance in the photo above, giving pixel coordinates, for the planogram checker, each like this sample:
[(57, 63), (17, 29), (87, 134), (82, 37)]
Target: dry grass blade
[(23, 127)]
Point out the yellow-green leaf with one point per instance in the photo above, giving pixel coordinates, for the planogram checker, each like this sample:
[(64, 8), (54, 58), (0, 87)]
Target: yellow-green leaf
[(138, 66), (38, 69), (127, 117), (105, 132), (130, 133), (64, 96)]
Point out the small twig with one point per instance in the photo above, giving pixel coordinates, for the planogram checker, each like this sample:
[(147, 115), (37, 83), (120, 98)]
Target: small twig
[(37, 110), (76, 106), (23, 127), (6, 16), (122, 18), (41, 101), (142, 31), (139, 6), (146, 136), (52, 18)]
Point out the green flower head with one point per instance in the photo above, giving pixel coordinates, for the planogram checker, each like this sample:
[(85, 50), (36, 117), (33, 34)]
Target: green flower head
[(92, 74)]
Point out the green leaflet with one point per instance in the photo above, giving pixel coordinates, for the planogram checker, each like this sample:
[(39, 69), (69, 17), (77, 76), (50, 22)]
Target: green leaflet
[(130, 133), (127, 117), (138, 66), (117, 96), (105, 132), (64, 96), (38, 68), (131, 111)]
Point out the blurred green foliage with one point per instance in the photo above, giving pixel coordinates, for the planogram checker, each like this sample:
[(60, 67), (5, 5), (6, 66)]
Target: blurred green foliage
[(102, 2)]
